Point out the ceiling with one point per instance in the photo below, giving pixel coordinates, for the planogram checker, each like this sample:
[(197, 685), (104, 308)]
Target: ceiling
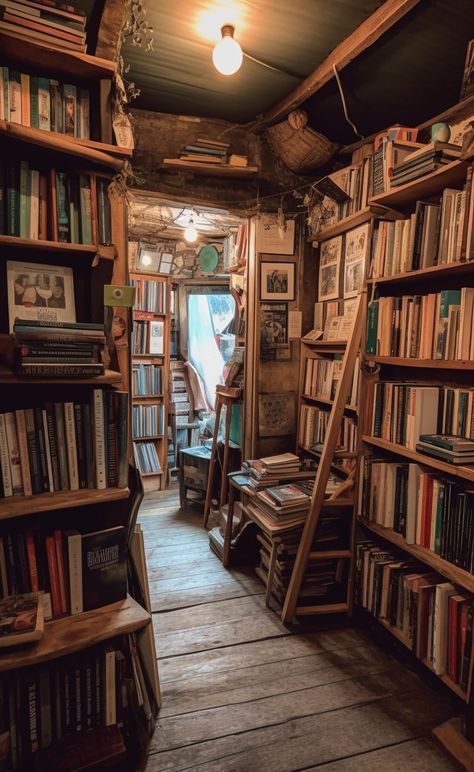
[(413, 72)]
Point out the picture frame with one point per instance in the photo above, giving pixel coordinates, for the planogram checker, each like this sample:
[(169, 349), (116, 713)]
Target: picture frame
[(356, 252), (273, 325), (276, 414), (155, 257), (330, 256), (277, 281), (274, 237), (39, 292)]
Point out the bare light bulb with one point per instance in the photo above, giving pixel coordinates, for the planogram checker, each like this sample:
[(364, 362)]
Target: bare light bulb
[(227, 54), (190, 232)]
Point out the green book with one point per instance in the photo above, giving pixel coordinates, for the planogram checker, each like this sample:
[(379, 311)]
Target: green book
[(25, 177), (372, 323), (34, 107), (70, 110), (62, 207), (44, 104), (448, 298), (74, 208), (13, 198), (85, 208)]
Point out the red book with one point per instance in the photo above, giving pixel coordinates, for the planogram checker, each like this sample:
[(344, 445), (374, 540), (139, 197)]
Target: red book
[(53, 576), (53, 207), (426, 516), (22, 21), (454, 615), (62, 575), (462, 630), (31, 555)]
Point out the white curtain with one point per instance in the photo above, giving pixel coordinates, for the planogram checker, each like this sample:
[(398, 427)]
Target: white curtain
[(203, 351)]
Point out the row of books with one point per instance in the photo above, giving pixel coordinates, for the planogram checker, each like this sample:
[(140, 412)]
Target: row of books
[(434, 326), (67, 350), (147, 380), (55, 24), (321, 377), (56, 205), (435, 234), (344, 191), (146, 457), (388, 153), (148, 338), (432, 616), (45, 710), (313, 426), (74, 572), (148, 421), (149, 295), (65, 446), (44, 103), (425, 508), (400, 412), (424, 160)]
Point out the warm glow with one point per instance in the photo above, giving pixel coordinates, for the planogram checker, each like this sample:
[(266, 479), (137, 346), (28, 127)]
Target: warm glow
[(227, 54), (146, 260), (190, 232), (210, 22)]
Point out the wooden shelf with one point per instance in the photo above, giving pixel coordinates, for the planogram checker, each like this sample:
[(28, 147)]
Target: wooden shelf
[(16, 48), (451, 174), (317, 453), (353, 221), (7, 376), (74, 633), (149, 315), (58, 247), (434, 272), (19, 506), (147, 397), (148, 356), (463, 472), (152, 474), (444, 567), (60, 143), (438, 364), (329, 346), (329, 402), (452, 740), (151, 437), (210, 170)]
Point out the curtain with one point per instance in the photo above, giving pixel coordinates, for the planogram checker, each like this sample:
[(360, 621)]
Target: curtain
[(203, 351)]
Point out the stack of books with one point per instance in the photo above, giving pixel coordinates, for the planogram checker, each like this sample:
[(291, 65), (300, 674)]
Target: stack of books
[(64, 108), (146, 457), (452, 449), (389, 154), (59, 349), (45, 21), (263, 472), (424, 160), (233, 369), (207, 151)]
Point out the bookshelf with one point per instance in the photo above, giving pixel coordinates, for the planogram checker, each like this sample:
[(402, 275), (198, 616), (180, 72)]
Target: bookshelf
[(151, 377), (415, 530), (209, 170), (33, 527)]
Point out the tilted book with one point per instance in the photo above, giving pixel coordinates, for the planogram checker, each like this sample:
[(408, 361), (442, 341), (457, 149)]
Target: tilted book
[(21, 619), (104, 572)]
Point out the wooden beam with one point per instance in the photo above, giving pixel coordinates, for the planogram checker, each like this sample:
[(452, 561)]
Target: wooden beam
[(362, 38)]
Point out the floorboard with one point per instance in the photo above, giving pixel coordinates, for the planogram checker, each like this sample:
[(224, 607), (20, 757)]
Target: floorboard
[(242, 691)]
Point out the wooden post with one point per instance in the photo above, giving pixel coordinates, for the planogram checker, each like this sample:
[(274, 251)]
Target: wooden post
[(325, 463)]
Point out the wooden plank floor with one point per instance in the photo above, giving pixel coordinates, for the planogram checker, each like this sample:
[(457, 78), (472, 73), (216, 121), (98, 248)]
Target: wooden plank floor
[(242, 692)]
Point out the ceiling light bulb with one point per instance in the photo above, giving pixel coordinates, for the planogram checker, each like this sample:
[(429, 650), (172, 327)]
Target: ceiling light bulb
[(190, 232), (146, 260), (227, 54)]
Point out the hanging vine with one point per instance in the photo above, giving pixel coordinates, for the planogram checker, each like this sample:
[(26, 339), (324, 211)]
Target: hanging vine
[(138, 32)]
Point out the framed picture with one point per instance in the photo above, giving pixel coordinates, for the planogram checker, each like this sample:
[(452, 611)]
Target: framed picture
[(355, 256), (276, 414), (155, 257), (156, 338), (273, 325), (40, 292), (273, 237), (329, 269), (277, 281)]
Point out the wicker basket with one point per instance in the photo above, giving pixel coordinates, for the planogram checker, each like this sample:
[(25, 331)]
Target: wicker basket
[(302, 150)]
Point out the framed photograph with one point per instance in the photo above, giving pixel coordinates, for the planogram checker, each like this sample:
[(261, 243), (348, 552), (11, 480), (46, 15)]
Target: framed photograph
[(355, 256), (273, 325), (276, 414), (40, 292), (329, 269), (273, 238), (277, 281)]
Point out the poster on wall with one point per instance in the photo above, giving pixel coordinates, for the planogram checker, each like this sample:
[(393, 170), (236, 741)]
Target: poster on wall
[(276, 414), (355, 255), (329, 269), (273, 325), (277, 281), (273, 238), (42, 293)]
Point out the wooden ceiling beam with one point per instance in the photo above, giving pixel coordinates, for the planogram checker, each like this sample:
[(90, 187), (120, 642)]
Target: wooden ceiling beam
[(362, 38)]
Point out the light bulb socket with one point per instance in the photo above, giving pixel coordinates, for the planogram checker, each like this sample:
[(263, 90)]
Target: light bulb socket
[(227, 31)]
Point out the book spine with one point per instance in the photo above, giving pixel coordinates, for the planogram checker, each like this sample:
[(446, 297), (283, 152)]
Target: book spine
[(53, 576), (14, 96), (13, 454), (71, 446), (62, 573), (99, 439), (44, 104), (5, 459), (50, 434), (110, 713), (32, 564), (74, 548), (40, 444)]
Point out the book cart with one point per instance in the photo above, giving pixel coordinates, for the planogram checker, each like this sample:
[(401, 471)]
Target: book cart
[(67, 724), (151, 374), (389, 442)]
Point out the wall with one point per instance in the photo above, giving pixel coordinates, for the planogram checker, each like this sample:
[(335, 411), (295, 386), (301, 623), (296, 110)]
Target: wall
[(186, 259)]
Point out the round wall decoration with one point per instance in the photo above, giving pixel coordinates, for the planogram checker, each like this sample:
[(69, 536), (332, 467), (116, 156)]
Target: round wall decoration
[(208, 258)]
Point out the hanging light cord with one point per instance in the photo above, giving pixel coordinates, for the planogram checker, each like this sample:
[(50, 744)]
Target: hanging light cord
[(343, 100), (271, 67)]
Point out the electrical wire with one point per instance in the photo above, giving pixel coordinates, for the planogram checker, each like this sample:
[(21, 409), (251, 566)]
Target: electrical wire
[(343, 100)]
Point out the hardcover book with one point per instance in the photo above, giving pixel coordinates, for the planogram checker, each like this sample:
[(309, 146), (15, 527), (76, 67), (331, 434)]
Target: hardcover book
[(21, 619), (104, 571)]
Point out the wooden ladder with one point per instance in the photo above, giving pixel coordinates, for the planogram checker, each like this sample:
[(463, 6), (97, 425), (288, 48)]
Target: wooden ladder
[(290, 607)]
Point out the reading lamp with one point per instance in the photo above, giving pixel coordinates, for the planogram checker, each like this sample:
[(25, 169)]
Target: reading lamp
[(227, 54)]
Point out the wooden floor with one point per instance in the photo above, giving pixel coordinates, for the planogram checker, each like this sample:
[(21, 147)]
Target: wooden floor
[(242, 692)]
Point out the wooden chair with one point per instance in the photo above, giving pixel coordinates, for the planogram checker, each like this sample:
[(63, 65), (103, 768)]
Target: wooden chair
[(226, 396)]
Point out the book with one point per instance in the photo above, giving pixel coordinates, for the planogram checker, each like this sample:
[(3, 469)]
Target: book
[(104, 573), (21, 619), (448, 442)]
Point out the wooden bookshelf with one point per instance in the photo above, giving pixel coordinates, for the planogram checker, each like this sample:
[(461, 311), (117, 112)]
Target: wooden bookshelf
[(464, 472), (327, 346), (452, 174), (74, 633), (208, 170), (328, 402), (105, 252), (110, 377), (353, 221), (20, 506), (435, 272), (151, 437), (438, 364)]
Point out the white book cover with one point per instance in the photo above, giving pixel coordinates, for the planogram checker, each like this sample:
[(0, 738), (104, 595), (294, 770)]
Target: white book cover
[(23, 448), (47, 450), (414, 473), (44, 108), (14, 97), (441, 626), (99, 440), (13, 454), (5, 459)]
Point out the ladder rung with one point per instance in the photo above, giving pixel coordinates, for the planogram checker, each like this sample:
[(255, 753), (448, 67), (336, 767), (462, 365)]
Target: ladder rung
[(329, 554), (333, 608)]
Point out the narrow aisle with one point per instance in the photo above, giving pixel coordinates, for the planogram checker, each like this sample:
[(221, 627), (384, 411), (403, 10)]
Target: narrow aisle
[(241, 692)]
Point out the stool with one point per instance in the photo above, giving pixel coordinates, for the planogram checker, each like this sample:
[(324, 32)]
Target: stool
[(225, 396)]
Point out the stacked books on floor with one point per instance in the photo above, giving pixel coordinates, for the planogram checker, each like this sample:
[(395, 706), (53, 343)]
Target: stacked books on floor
[(74, 572), (64, 108), (65, 446), (78, 707), (401, 412), (149, 295), (262, 472), (55, 205), (427, 509), (313, 426), (148, 421), (147, 380), (432, 617), (434, 326), (424, 160), (59, 349), (146, 457), (50, 22)]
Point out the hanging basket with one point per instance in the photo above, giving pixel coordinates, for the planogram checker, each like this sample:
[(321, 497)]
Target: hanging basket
[(301, 149)]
